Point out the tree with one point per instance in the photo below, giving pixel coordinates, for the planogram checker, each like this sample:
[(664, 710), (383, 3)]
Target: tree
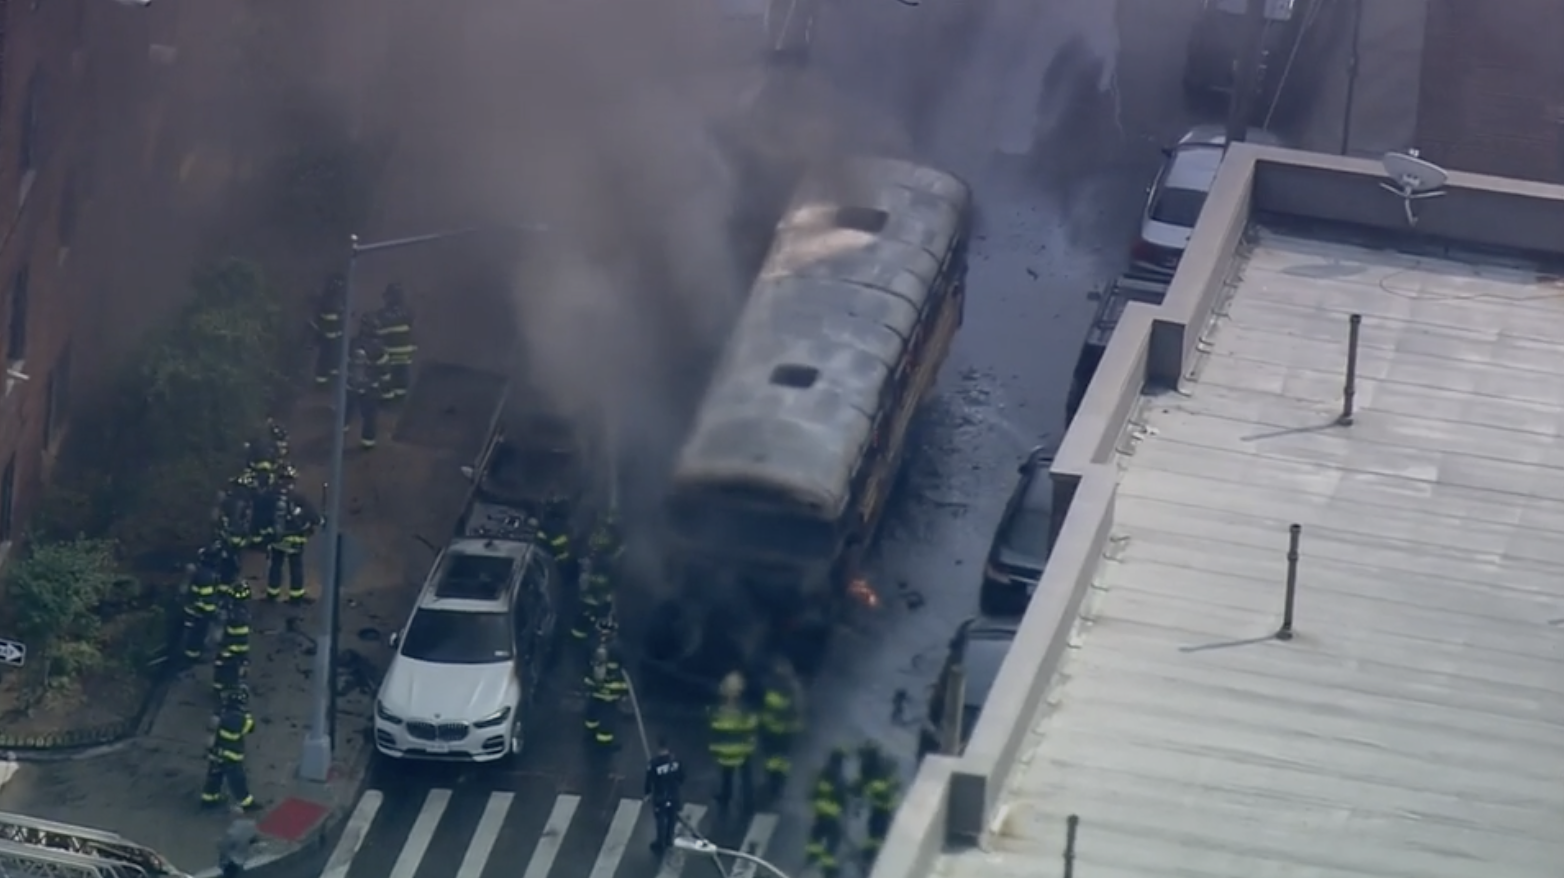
[(55, 592)]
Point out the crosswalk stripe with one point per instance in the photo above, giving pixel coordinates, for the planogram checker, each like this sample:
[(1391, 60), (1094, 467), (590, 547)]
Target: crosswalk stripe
[(353, 835), (761, 828), (553, 836), (422, 833), (673, 863), (613, 850), (484, 837)]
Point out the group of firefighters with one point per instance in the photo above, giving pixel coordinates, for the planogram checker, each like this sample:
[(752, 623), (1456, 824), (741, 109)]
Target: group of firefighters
[(260, 510), (380, 360)]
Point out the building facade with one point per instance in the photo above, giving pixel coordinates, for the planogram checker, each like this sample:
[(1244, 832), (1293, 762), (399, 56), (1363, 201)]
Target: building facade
[(41, 130)]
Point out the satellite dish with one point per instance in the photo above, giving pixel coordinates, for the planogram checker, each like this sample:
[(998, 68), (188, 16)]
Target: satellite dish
[(1413, 179)]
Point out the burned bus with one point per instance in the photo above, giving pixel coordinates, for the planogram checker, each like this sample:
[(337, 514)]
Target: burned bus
[(779, 488)]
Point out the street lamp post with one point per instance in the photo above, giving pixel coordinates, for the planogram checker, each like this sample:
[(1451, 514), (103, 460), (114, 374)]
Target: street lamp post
[(704, 846), (315, 764)]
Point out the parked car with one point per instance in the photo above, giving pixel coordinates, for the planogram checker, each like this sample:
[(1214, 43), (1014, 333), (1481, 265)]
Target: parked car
[(1221, 34), (977, 650), (1178, 196), (1110, 307), (470, 660), (1022, 542)]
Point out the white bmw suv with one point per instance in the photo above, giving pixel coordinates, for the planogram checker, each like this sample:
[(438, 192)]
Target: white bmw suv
[(469, 661)]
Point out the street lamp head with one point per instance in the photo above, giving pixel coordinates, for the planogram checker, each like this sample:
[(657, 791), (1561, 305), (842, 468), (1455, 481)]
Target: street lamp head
[(695, 845)]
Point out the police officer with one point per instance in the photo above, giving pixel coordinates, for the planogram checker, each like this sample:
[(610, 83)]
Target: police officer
[(828, 801), (779, 724), (296, 520), (606, 689), (880, 792), (596, 600), (396, 335), (225, 759), (664, 787), (363, 397), (200, 606), (235, 642), (733, 731), (330, 308)]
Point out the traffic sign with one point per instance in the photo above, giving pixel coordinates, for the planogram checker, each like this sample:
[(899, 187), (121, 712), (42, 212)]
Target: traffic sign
[(13, 652)]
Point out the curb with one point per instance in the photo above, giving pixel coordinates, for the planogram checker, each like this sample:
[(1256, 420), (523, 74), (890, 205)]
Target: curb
[(274, 864)]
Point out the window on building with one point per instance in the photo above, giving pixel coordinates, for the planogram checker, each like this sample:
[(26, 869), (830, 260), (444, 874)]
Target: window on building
[(70, 194), (8, 500), (59, 397), (16, 331), (32, 123)]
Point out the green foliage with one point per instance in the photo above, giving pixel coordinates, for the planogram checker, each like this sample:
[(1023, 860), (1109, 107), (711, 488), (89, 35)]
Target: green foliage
[(55, 592)]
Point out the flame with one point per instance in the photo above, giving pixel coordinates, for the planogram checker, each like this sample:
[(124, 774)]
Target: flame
[(861, 591)]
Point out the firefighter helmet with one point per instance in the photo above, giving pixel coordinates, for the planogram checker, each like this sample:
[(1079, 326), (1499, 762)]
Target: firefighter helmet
[(732, 687)]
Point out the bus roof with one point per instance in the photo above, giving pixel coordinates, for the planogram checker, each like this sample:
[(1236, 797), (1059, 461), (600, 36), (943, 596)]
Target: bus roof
[(793, 400)]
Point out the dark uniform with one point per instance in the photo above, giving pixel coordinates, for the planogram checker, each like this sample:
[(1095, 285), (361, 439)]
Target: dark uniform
[(260, 480), (396, 336), (279, 438), (733, 731), (330, 309), (606, 689), (232, 587), (234, 520), (296, 520), (595, 600), (235, 642), (364, 392), (828, 800), (605, 546), (230, 673), (880, 792), (225, 760), (200, 606), (779, 724), (664, 787)]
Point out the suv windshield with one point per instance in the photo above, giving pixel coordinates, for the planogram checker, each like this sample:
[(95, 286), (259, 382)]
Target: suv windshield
[(1178, 207), (450, 638)]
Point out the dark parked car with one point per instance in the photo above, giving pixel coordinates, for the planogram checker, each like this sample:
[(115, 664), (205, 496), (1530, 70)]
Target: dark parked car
[(1220, 35), (1110, 307), (977, 650), (1179, 195), (1022, 542)]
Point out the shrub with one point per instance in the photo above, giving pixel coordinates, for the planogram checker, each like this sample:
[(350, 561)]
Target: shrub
[(55, 592)]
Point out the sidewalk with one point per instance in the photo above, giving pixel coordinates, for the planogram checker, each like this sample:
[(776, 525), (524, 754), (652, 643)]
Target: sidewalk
[(147, 789)]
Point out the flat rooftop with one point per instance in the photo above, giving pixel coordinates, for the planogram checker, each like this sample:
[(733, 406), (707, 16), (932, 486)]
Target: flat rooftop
[(1413, 725)]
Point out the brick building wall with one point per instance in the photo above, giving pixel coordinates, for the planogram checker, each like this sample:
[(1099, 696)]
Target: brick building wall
[(41, 69), (1492, 96)]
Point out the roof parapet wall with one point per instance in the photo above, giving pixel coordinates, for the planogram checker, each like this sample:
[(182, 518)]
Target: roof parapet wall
[(953, 800)]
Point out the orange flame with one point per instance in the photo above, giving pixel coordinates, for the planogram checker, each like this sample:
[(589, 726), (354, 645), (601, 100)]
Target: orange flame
[(861, 591)]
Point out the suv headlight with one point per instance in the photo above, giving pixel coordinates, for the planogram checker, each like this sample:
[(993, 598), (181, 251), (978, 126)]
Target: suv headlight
[(386, 715), (493, 719)]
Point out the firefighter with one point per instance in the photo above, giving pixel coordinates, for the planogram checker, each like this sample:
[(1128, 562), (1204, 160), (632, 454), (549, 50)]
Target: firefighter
[(330, 308), (260, 479), (779, 724), (664, 787), (828, 801), (225, 759), (279, 438), (880, 792), (200, 606), (733, 731), (363, 398), (396, 336), (606, 688), (235, 642), (296, 520), (232, 587), (233, 519), (229, 673), (604, 546), (596, 600)]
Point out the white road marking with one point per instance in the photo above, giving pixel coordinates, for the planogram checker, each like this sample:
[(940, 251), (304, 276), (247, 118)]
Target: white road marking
[(618, 838), (761, 828), (421, 834), (553, 836), (673, 861), (353, 834), (484, 837)]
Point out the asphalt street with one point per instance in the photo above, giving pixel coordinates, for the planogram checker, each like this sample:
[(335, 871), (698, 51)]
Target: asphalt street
[(1054, 112)]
